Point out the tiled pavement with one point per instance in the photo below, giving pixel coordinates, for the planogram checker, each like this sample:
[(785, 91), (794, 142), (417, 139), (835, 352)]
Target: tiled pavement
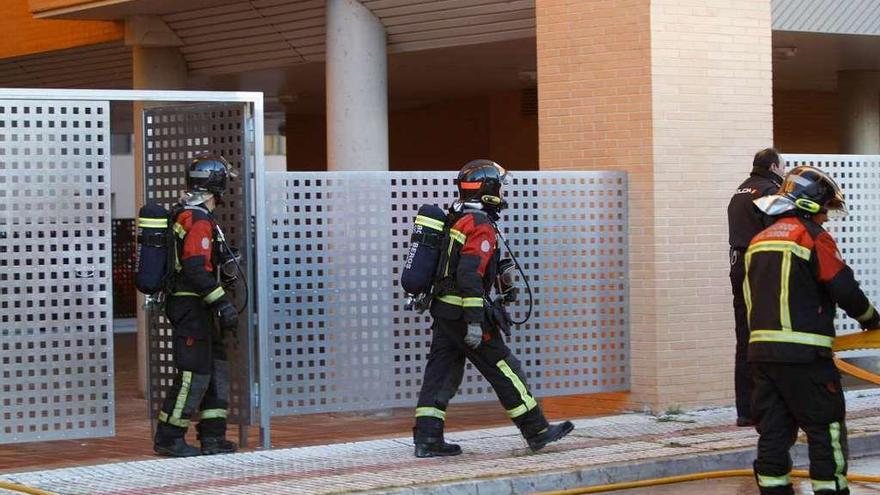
[(132, 440), (387, 464)]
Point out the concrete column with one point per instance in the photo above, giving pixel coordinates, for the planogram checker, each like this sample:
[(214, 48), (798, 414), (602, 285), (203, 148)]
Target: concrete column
[(859, 111), (157, 64), (357, 88)]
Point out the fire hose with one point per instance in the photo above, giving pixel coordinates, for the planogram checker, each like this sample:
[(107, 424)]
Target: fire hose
[(850, 342)]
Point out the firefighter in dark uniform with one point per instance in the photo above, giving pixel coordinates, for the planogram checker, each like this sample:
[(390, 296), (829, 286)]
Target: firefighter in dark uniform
[(795, 279), (744, 220), (201, 387), (462, 328)]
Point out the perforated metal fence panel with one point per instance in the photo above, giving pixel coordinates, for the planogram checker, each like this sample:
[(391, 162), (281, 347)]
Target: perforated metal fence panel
[(340, 339), (857, 235), (173, 136), (56, 335), (124, 266)]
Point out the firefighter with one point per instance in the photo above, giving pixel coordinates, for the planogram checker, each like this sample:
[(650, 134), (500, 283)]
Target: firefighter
[(744, 220), (795, 279), (201, 387), (462, 328)]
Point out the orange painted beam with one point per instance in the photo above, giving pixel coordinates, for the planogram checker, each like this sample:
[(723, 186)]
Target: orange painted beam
[(24, 35)]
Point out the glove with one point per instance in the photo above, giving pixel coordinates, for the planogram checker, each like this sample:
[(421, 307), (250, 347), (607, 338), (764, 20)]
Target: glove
[(228, 316), (474, 336), (873, 322)]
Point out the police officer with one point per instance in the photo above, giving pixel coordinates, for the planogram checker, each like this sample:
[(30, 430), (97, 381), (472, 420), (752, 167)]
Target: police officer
[(201, 387), (744, 220), (462, 329), (795, 278)]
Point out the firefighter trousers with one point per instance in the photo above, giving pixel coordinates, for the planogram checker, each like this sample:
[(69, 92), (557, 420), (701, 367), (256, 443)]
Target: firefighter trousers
[(202, 381), (806, 396), (444, 371), (741, 379)]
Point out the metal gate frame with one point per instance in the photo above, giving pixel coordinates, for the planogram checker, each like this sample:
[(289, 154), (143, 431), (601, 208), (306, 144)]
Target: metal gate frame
[(255, 100)]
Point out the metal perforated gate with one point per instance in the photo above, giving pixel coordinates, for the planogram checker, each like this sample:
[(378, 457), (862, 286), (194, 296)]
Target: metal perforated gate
[(173, 136), (56, 336), (339, 338), (857, 235)]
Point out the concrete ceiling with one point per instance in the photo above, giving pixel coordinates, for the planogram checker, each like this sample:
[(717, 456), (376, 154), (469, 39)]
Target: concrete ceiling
[(818, 57)]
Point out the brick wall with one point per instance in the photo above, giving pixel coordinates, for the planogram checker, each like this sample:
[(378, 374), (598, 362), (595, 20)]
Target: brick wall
[(712, 109), (806, 121), (594, 113), (24, 35), (678, 94)]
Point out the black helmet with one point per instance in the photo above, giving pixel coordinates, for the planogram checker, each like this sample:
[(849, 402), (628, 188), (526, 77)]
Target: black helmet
[(813, 191), (481, 180), (208, 174)]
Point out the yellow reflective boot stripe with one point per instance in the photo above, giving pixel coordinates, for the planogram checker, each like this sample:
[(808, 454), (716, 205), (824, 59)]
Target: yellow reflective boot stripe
[(184, 293), (182, 423), (529, 402), (185, 382), (771, 481), (791, 338), (213, 413), (153, 223), (823, 485), (214, 295), (457, 236), (839, 459), (430, 412), (429, 222), (784, 310)]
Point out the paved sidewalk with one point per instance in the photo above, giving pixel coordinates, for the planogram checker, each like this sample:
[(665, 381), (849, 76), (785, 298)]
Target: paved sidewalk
[(631, 446)]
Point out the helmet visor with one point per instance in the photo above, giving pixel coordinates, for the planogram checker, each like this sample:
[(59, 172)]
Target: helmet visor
[(504, 176)]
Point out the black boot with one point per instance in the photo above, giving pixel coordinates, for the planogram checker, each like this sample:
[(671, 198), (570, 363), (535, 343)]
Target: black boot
[(175, 448), (217, 445), (436, 447), (551, 434)]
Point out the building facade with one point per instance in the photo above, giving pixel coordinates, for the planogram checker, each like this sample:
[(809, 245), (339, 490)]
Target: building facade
[(678, 93)]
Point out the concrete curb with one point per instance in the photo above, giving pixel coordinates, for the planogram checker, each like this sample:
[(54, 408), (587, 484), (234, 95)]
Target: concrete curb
[(859, 446)]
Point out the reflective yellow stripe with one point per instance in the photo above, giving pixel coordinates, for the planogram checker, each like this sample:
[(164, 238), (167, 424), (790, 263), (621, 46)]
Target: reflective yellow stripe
[(429, 222), (214, 295), (823, 485), (185, 294), (785, 275), (153, 223), (185, 382), (780, 246), (179, 230), (453, 300), (771, 481), (866, 315), (791, 338), (747, 292), (839, 459), (529, 402), (457, 236), (212, 413), (472, 302), (182, 423), (517, 411), (430, 412), (466, 302)]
